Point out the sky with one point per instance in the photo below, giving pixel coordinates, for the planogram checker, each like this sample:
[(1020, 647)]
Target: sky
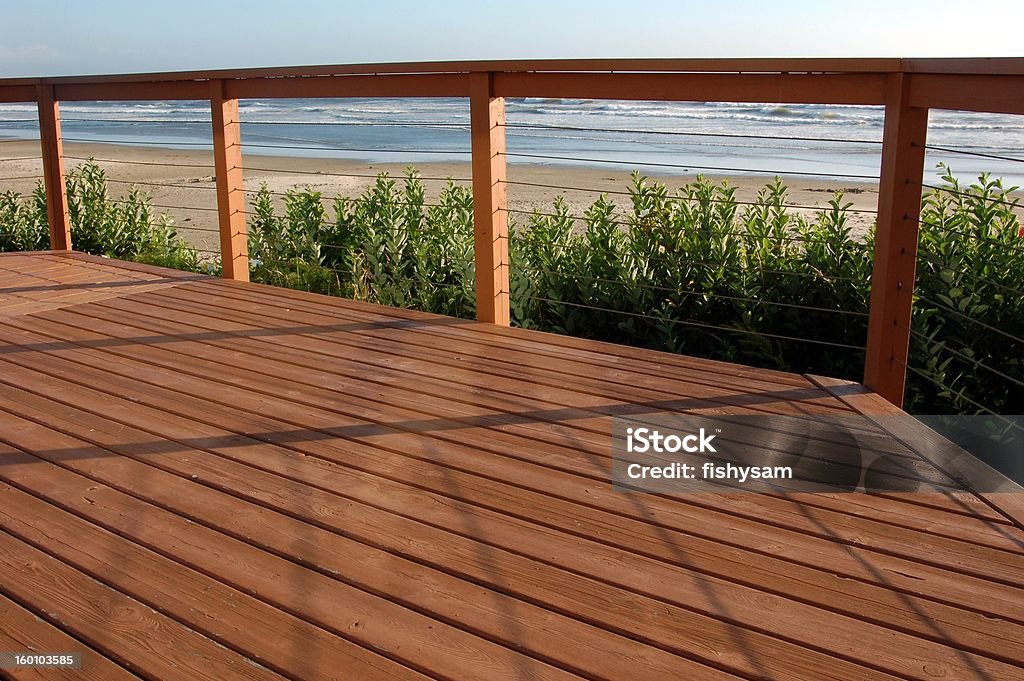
[(113, 36)]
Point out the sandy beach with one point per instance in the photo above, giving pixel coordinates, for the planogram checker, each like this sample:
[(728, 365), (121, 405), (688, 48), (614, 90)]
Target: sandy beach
[(185, 190)]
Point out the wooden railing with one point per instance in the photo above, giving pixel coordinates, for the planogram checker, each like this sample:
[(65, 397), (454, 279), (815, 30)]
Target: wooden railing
[(907, 88)]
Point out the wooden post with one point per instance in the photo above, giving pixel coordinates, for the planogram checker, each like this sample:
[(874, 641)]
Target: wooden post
[(895, 265), (490, 200), (53, 169), (227, 160)]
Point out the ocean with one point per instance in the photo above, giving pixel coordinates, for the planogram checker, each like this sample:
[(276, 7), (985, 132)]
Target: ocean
[(826, 141)]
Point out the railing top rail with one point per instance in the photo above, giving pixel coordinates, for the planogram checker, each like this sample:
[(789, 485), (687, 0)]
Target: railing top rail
[(974, 66)]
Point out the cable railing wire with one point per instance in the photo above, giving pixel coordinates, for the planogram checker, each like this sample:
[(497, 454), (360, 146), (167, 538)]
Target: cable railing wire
[(136, 142), (456, 261), (419, 279), (945, 388), (634, 131), (194, 121), (324, 173), (199, 121), (689, 292), (790, 238), (424, 204), (671, 142), (305, 140), (976, 237), (466, 126), (1014, 150), (965, 152), (161, 184), (753, 267), (749, 268), (450, 258), (460, 152), (318, 147), (980, 323), (687, 166), (959, 192), (168, 207), (972, 275), (967, 358), (206, 166), (369, 124), (625, 192), (703, 325)]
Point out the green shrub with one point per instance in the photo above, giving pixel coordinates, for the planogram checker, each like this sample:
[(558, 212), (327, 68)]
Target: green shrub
[(693, 272), (387, 246), (23, 223), (120, 228), (969, 306), (697, 273)]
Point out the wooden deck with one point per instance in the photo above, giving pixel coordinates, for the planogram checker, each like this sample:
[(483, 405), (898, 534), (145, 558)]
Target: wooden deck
[(201, 479)]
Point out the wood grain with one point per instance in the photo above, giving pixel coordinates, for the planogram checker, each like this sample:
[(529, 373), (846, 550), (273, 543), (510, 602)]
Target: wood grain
[(21, 630), (136, 636)]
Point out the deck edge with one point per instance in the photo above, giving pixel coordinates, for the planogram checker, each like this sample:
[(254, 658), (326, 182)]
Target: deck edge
[(872, 406)]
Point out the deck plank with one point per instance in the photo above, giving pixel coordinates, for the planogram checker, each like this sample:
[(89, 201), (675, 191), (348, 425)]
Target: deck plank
[(571, 417), (122, 628), (243, 370), (437, 336), (437, 343), (789, 618), (634, 359), (311, 374), (1009, 503), (22, 631), (439, 489), (335, 604), (252, 628), (390, 387), (950, 553), (666, 626), (585, 425), (190, 407), (30, 284)]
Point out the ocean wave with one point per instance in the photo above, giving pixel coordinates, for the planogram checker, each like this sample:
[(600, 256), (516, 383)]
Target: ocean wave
[(746, 113), (978, 127)]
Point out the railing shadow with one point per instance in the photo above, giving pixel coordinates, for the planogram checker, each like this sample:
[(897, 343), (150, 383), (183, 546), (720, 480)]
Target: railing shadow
[(200, 336), (15, 290)]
